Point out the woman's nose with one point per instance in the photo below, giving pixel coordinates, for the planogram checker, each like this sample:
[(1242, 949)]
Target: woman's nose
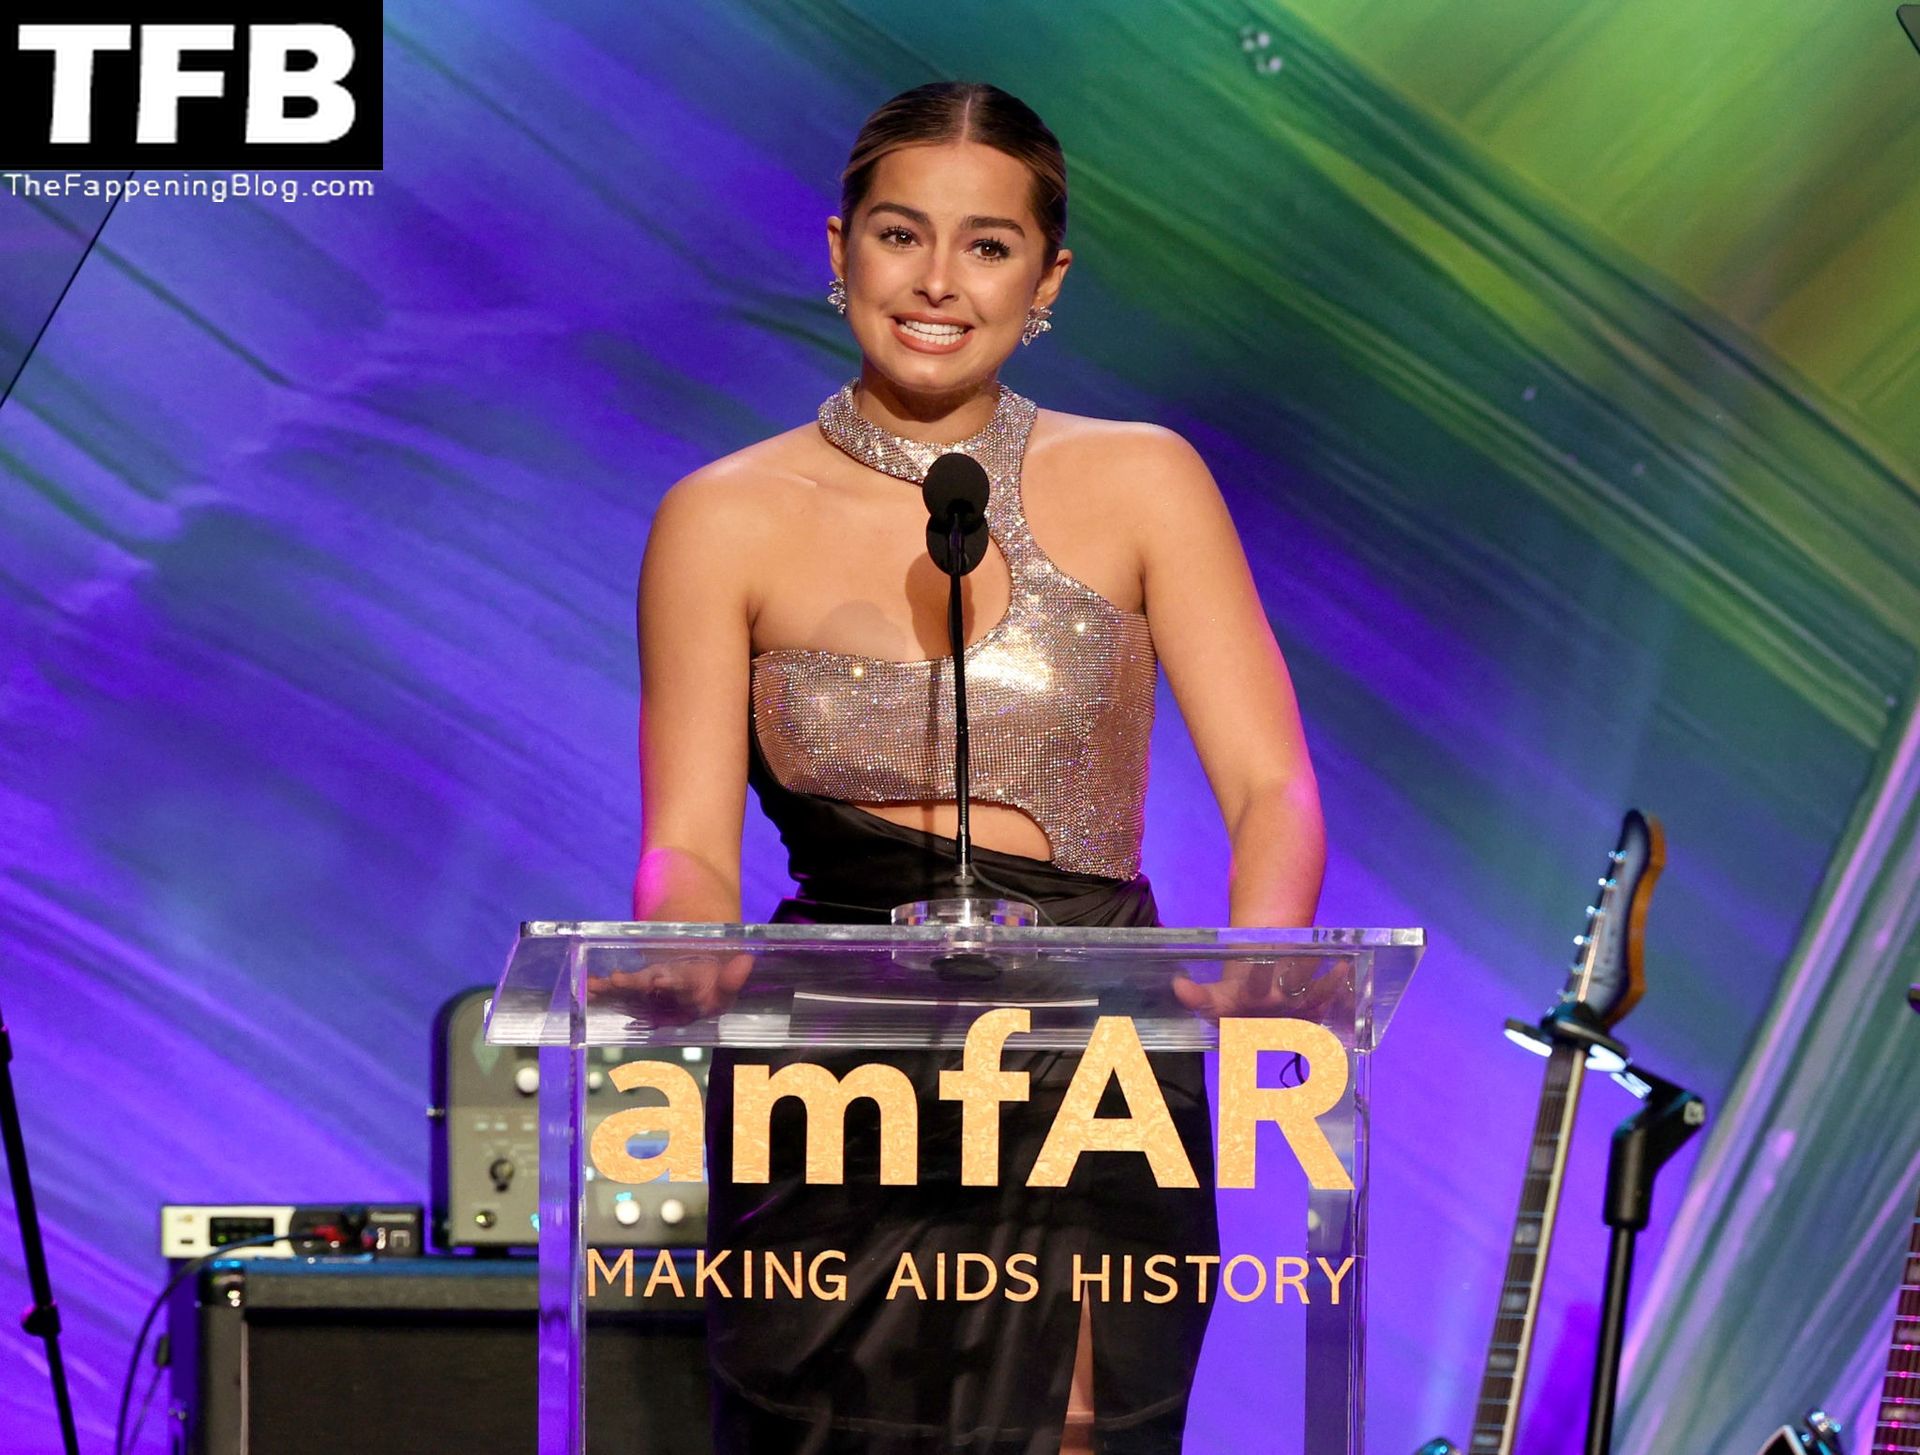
[(935, 286)]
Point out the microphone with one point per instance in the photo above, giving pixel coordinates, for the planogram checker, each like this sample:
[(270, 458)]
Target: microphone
[(956, 495), (955, 490)]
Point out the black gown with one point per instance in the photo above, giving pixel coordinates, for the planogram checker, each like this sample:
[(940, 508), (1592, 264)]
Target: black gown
[(910, 1377)]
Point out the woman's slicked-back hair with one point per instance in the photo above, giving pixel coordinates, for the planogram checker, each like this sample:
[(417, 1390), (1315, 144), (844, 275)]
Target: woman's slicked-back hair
[(945, 111)]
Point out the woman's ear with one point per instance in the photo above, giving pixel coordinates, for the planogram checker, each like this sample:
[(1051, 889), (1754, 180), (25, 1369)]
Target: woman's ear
[(1051, 279), (837, 247)]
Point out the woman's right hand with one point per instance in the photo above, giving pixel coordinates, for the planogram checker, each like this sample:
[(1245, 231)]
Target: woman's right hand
[(674, 988)]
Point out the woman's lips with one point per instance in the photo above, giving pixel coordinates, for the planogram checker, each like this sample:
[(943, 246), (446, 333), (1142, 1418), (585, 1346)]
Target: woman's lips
[(930, 338)]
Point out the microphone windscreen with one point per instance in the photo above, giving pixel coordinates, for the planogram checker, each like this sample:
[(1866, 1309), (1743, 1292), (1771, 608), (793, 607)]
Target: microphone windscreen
[(956, 483)]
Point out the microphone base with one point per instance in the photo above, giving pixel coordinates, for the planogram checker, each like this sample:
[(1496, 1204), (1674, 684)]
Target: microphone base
[(965, 911), (968, 959)]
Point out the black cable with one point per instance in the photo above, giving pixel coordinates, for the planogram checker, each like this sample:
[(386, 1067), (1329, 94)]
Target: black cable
[(161, 1358), (186, 1271), (47, 322)]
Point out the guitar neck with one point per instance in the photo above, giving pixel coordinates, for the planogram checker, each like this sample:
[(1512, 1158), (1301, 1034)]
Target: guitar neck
[(1898, 1427), (1496, 1415)]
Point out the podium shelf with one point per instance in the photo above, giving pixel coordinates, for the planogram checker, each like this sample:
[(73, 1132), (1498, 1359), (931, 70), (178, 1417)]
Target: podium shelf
[(613, 982)]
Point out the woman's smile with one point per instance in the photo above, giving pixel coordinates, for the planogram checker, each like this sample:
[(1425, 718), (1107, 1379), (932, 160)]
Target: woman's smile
[(927, 333)]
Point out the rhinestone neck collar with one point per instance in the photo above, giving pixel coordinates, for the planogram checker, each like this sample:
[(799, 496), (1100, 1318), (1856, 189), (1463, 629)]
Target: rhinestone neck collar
[(997, 447)]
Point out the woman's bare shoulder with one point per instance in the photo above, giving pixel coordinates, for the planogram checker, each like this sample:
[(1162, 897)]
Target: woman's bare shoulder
[(749, 494), (749, 479), (1121, 454)]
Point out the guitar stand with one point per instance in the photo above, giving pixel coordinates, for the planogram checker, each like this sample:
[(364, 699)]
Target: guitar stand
[(1642, 1145), (1570, 1025), (42, 1320)]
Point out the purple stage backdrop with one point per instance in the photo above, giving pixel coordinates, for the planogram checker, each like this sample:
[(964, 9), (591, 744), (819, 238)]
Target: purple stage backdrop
[(322, 518)]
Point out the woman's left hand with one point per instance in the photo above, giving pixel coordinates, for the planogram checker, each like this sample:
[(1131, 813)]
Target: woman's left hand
[(1308, 989)]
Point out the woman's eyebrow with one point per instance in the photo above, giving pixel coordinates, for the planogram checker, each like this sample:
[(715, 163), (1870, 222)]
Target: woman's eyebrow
[(967, 224), (912, 214)]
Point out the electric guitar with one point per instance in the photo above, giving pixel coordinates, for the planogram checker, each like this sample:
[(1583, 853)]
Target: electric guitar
[(1607, 978), (1896, 1427)]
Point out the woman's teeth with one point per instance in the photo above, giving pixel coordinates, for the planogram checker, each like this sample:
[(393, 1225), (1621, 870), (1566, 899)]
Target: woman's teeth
[(939, 333)]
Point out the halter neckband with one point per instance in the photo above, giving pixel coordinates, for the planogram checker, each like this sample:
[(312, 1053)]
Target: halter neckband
[(997, 447)]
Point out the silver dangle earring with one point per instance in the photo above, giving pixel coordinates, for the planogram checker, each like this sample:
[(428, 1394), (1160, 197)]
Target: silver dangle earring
[(1036, 324), (837, 296)]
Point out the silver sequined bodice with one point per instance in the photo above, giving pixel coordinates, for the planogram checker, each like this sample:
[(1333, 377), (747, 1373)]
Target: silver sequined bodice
[(1059, 690)]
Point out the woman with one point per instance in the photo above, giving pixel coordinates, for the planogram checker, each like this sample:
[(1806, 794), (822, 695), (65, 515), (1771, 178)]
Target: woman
[(791, 626)]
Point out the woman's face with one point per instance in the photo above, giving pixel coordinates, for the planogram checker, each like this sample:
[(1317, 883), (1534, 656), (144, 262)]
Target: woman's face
[(942, 259)]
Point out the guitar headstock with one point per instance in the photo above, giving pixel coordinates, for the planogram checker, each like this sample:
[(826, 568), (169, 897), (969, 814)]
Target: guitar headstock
[(1609, 971)]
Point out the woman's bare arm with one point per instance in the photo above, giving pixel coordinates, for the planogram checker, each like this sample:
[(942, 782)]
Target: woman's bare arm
[(1225, 668), (694, 631)]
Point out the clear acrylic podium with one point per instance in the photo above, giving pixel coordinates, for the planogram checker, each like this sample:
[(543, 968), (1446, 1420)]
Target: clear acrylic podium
[(1255, 998)]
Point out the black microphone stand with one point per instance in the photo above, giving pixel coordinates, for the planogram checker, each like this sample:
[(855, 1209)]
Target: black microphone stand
[(1642, 1145), (956, 491), (963, 880), (42, 1320)]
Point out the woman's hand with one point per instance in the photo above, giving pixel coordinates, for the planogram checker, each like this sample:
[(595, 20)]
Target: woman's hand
[(674, 989), (1309, 989)]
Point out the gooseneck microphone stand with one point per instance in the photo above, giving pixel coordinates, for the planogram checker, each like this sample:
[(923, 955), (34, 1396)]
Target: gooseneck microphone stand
[(42, 1320), (957, 566), (1642, 1145), (955, 491)]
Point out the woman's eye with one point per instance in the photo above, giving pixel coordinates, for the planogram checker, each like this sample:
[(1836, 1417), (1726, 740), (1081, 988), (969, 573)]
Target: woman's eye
[(897, 236), (992, 247)]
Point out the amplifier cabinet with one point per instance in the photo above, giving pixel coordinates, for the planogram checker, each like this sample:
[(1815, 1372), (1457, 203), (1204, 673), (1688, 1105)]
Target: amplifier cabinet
[(428, 1356), (483, 1149)]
